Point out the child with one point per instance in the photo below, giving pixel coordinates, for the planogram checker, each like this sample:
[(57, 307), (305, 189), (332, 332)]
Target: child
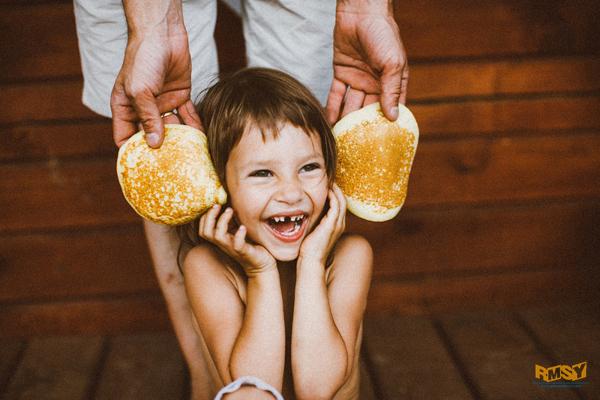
[(277, 290)]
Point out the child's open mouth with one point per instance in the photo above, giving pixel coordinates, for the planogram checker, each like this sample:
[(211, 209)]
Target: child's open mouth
[(288, 228)]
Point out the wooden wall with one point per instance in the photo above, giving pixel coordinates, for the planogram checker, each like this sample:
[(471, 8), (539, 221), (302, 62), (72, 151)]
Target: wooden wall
[(504, 199)]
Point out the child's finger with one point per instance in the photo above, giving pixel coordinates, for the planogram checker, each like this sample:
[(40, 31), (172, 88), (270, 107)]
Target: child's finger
[(239, 240), (207, 221), (341, 220), (222, 225)]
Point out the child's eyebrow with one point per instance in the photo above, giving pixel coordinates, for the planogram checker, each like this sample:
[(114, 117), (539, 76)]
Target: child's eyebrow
[(268, 162)]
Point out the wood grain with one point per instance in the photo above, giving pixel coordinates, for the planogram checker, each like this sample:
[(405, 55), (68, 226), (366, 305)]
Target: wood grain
[(433, 293), (143, 366), (498, 356), (408, 356), (455, 241), (570, 333), (53, 265), (451, 242), (55, 368), (56, 140), (470, 171), (113, 315)]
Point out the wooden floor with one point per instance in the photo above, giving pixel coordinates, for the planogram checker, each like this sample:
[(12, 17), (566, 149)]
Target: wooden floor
[(474, 355)]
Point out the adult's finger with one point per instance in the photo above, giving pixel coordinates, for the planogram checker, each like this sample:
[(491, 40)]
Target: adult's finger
[(370, 99), (146, 107), (404, 84), (335, 100), (391, 84), (189, 116), (171, 118), (123, 116), (354, 100)]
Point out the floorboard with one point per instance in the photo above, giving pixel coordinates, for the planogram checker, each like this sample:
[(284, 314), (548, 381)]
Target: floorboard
[(143, 366), (498, 355), (55, 368), (407, 356)]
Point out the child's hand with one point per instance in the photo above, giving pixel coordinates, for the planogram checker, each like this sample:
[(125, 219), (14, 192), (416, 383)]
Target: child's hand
[(319, 243), (253, 258)]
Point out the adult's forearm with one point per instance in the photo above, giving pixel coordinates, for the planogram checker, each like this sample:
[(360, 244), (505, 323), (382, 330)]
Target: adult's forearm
[(365, 6), (260, 347), (319, 357), (144, 16)]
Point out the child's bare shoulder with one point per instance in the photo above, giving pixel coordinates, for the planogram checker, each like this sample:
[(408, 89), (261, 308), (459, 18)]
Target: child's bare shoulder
[(351, 244), (207, 262), (204, 259), (352, 251)]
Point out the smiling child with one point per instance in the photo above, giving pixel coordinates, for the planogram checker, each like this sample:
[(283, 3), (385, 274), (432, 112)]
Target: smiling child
[(277, 289)]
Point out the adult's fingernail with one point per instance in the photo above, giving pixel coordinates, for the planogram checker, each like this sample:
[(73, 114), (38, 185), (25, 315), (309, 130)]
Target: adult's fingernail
[(394, 113), (152, 139)]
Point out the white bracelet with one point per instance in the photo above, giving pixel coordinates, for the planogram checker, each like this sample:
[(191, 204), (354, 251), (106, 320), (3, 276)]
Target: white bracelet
[(248, 380)]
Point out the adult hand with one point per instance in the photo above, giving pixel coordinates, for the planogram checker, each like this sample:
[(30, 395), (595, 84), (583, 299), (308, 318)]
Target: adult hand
[(155, 78), (369, 59), (255, 259)]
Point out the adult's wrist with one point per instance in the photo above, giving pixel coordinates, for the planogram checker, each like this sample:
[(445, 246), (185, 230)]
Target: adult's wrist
[(162, 17), (366, 6)]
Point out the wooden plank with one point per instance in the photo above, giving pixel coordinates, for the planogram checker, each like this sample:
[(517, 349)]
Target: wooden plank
[(367, 390), (439, 293), (408, 356), (79, 193), (498, 356), (447, 241), (489, 78), (11, 352), (454, 241), (482, 117), (56, 368), (78, 263), (143, 366), (485, 169), (61, 100), (36, 101), (41, 41), (111, 315), (470, 28), (47, 141), (570, 333), (474, 170)]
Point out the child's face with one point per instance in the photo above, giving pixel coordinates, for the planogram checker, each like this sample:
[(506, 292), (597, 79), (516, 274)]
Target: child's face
[(278, 187)]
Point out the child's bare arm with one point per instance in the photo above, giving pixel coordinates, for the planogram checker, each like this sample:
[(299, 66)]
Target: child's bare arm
[(243, 339), (327, 319)]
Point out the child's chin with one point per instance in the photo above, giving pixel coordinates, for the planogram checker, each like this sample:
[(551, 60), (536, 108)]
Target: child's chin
[(285, 254)]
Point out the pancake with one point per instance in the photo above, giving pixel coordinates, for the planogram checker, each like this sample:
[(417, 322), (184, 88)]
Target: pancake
[(375, 157), (173, 184)]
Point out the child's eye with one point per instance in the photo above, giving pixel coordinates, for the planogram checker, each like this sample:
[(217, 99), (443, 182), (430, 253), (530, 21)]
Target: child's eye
[(261, 173), (311, 167)]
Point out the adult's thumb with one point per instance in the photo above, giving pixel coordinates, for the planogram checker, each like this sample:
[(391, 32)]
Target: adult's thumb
[(149, 115)]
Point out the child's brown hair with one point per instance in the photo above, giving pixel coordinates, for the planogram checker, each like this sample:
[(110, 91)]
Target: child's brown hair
[(261, 98)]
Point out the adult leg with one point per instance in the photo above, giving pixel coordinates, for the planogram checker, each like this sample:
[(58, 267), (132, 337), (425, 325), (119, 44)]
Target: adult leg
[(295, 36), (102, 34)]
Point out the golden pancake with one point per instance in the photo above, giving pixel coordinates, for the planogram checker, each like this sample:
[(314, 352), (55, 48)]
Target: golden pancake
[(375, 156), (172, 184)]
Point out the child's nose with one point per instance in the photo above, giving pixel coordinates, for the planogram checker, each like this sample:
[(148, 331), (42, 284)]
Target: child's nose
[(290, 191)]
